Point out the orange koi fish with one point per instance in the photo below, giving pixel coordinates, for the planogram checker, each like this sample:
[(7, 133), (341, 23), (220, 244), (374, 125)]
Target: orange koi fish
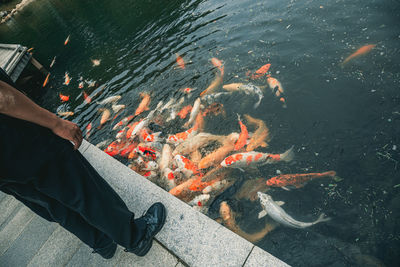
[(145, 136), (66, 113), (260, 136), (218, 63), (261, 71), (215, 84), (181, 188), (277, 89), (361, 51), (144, 104), (184, 111), (64, 98), (187, 167), (104, 116), (188, 90), (66, 40), (46, 80), (182, 136), (218, 155), (81, 84), (114, 148), (88, 129), (131, 128), (297, 180), (123, 122), (180, 61), (87, 98), (67, 79), (254, 159), (244, 134), (125, 152)]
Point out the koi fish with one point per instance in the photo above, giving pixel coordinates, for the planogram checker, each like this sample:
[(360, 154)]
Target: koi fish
[(52, 62), (64, 98), (244, 134), (218, 155), (67, 79), (169, 178), (127, 150), (297, 180), (180, 61), (110, 99), (166, 157), (96, 62), (182, 136), (104, 116), (217, 186), (145, 136), (81, 84), (277, 89), (132, 127), (143, 123), (218, 63), (197, 141), (199, 200), (194, 112), (272, 208), (214, 85), (184, 111), (88, 129), (114, 148), (46, 80), (123, 122), (209, 99), (361, 51), (146, 152), (87, 98), (150, 166), (261, 71), (144, 104), (66, 40), (182, 188), (215, 109), (195, 157), (150, 174), (253, 159), (117, 108), (188, 90), (260, 136), (248, 89), (66, 113), (187, 167)]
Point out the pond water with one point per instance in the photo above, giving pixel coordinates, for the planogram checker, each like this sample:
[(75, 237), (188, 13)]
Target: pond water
[(344, 118)]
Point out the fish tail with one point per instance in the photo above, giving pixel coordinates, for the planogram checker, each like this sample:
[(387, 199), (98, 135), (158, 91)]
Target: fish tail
[(322, 218), (257, 103), (288, 155)]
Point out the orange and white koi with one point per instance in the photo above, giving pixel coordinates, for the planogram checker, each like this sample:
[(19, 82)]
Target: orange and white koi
[(96, 62), (86, 97), (277, 89), (124, 152), (260, 135), (217, 186), (150, 166), (254, 159), (296, 180), (361, 51), (110, 99), (46, 80), (66, 40), (145, 136), (66, 113), (244, 134), (150, 174), (117, 108), (81, 84), (144, 104), (64, 98), (184, 111), (195, 110), (67, 79), (143, 123), (218, 63), (200, 200), (215, 84), (196, 141), (132, 127), (147, 152), (188, 90), (104, 116), (261, 71), (123, 122), (52, 62), (180, 61), (88, 129), (218, 155), (187, 167), (182, 136), (114, 148), (182, 188)]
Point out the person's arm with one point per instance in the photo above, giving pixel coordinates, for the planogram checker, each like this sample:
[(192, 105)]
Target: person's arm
[(15, 104)]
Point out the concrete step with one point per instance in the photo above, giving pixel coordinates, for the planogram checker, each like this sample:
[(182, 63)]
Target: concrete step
[(14, 227), (8, 207), (57, 250), (28, 242)]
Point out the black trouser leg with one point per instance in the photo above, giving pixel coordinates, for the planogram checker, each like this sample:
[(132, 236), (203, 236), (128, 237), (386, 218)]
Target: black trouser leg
[(51, 210)]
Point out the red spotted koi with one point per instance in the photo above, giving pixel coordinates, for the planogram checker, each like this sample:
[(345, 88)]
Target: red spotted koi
[(297, 180), (187, 167)]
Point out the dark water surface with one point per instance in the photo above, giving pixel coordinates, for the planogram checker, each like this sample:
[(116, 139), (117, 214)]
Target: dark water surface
[(343, 119)]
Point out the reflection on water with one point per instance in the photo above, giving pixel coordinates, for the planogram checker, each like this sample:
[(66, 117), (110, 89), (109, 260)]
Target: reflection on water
[(342, 118)]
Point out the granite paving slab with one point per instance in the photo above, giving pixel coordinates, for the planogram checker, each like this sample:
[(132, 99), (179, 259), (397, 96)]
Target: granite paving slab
[(8, 206), (57, 250), (259, 257), (28, 242), (157, 256), (84, 257), (85, 144), (14, 227)]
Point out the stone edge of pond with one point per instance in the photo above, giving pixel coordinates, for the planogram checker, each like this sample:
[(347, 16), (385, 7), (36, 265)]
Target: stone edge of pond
[(191, 236)]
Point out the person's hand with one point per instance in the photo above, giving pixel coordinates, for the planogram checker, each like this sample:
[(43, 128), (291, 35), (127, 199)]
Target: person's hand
[(69, 131)]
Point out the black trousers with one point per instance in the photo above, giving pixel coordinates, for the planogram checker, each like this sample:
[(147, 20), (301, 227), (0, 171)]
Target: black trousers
[(44, 172)]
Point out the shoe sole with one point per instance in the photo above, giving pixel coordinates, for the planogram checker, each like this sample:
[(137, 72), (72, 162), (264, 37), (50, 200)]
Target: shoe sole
[(146, 250)]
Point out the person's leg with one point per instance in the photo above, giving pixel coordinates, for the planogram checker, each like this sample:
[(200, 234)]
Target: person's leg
[(54, 211)]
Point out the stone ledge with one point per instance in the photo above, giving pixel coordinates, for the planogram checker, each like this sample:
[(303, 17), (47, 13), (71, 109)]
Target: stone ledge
[(193, 237)]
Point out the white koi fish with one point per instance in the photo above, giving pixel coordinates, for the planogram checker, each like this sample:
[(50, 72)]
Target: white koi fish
[(110, 99), (273, 209), (193, 113)]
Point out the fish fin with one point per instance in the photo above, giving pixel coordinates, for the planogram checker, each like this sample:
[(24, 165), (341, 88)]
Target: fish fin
[(241, 169), (322, 218), (262, 213), (288, 155), (285, 188), (263, 144), (280, 203)]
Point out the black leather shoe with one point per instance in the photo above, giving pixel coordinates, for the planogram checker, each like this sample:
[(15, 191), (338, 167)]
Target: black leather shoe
[(155, 219), (107, 252)]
